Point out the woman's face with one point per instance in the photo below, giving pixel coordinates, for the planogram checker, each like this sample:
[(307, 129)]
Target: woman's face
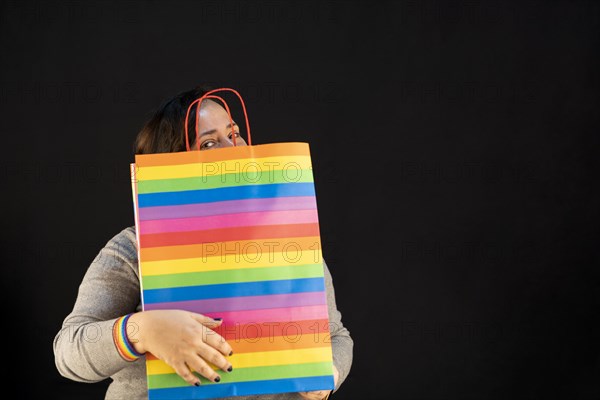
[(215, 129)]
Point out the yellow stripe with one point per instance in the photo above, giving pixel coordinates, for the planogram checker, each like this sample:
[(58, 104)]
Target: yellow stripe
[(247, 165), (230, 261), (259, 359)]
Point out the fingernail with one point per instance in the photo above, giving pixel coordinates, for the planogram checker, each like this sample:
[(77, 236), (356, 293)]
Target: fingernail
[(230, 368), (218, 379), (231, 353), (218, 319), (197, 383)]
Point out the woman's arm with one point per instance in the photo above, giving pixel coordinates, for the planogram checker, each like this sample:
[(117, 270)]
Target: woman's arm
[(341, 342), (84, 349)]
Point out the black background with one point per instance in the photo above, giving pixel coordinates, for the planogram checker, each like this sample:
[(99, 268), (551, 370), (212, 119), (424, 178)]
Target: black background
[(453, 145)]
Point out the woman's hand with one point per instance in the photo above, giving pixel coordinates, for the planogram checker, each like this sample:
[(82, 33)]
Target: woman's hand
[(183, 340), (321, 394)]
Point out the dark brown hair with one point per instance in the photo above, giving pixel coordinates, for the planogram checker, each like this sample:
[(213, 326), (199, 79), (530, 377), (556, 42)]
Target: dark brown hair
[(164, 131)]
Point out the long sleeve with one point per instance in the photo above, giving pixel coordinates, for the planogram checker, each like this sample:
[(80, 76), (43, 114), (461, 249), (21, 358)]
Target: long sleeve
[(84, 349), (341, 342)]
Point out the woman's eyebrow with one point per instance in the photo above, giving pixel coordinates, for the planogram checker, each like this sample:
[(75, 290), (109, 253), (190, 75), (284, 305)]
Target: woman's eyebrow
[(211, 131)]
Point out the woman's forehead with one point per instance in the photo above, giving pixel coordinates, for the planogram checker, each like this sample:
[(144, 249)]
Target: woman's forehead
[(213, 115)]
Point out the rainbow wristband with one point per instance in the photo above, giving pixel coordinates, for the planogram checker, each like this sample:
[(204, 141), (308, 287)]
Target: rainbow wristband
[(121, 340)]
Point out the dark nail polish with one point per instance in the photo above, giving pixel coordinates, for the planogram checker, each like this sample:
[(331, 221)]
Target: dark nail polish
[(218, 379), (197, 384), (231, 353), (230, 369), (218, 319)]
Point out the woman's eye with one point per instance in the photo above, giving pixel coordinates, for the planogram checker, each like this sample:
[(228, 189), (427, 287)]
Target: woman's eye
[(208, 144), (237, 134)]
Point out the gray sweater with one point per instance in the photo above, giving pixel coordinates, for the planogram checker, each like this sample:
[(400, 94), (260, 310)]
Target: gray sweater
[(84, 349)]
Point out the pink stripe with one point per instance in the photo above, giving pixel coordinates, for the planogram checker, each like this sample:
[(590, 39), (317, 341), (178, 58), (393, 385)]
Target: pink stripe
[(224, 207), (229, 221), (288, 314), (244, 303)]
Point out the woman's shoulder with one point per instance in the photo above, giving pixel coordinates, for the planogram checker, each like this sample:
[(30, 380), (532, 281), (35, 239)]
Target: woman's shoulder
[(126, 236), (124, 244)]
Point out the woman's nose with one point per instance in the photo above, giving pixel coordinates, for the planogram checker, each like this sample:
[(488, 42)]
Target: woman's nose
[(228, 142)]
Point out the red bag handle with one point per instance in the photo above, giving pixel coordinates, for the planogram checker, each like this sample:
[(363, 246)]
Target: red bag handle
[(208, 95)]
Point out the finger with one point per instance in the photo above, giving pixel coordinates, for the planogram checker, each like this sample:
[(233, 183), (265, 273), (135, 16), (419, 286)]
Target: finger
[(206, 321), (214, 357), (336, 376), (216, 341), (201, 367), (183, 370), (315, 395)]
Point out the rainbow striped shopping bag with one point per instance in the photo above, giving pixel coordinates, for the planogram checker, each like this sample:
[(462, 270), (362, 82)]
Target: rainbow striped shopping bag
[(234, 233)]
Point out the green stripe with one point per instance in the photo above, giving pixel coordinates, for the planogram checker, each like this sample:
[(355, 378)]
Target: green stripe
[(249, 177), (248, 374), (233, 276)]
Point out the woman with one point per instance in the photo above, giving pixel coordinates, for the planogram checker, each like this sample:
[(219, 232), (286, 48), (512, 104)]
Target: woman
[(89, 348)]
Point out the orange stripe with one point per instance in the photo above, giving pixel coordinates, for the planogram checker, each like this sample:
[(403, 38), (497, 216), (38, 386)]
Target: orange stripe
[(289, 342), (292, 341), (229, 234), (266, 247), (227, 153)]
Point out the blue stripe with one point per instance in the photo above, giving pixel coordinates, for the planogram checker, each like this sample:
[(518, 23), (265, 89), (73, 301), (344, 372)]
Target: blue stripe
[(223, 290), (227, 193), (213, 390)]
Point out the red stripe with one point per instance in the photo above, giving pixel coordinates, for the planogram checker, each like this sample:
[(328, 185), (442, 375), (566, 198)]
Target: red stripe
[(229, 234), (237, 332)]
